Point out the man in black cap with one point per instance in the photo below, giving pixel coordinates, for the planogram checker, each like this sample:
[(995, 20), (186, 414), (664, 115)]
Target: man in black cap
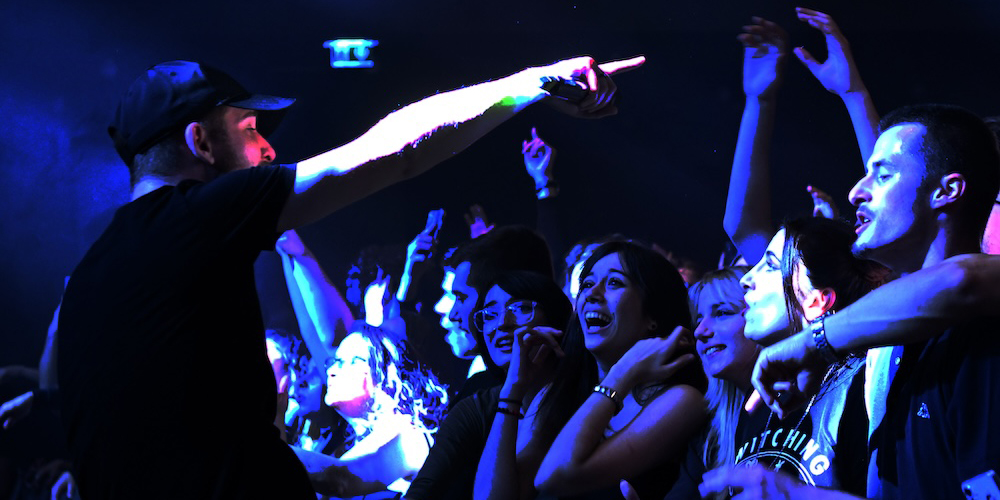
[(166, 389)]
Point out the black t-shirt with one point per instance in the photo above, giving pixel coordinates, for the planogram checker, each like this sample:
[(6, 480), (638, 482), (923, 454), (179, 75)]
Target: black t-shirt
[(826, 447), (450, 468), (942, 414), (165, 384)]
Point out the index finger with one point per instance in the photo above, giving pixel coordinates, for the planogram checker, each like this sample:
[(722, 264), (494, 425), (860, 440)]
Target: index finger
[(622, 65), (763, 388)]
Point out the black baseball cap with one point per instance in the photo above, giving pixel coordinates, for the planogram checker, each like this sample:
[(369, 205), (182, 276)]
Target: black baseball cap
[(174, 93)]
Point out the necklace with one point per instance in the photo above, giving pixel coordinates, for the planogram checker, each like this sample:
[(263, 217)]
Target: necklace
[(812, 400)]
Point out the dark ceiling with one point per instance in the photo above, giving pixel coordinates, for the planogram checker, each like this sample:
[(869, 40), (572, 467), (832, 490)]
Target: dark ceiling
[(657, 171)]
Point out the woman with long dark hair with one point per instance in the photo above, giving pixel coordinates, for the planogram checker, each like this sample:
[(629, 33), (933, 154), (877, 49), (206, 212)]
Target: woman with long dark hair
[(623, 400)]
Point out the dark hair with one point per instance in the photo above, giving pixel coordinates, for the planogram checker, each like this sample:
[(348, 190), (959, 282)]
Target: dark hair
[(507, 248), (956, 140), (526, 285), (579, 249), (824, 247), (664, 299), (390, 258)]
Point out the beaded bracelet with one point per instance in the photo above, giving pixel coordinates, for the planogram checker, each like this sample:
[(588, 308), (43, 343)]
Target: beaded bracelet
[(612, 395), (823, 347)]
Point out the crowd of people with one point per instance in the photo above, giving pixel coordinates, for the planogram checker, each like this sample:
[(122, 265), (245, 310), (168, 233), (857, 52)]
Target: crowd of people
[(826, 358)]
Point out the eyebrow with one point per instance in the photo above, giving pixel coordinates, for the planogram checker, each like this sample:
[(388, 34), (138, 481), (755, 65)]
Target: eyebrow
[(490, 303)]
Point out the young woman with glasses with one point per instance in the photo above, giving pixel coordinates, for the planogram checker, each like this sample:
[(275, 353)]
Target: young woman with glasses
[(616, 407), (522, 312)]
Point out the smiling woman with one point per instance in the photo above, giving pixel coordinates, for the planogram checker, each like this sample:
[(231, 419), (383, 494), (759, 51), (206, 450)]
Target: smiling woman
[(628, 393), (521, 324)]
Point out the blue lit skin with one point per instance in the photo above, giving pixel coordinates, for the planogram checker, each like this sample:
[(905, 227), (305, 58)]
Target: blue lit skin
[(500, 340), (466, 299), (888, 198), (377, 295), (608, 290), (766, 315), (349, 385), (724, 351), (462, 343)]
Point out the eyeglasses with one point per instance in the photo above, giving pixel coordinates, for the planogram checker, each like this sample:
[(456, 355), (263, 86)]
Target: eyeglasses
[(489, 319)]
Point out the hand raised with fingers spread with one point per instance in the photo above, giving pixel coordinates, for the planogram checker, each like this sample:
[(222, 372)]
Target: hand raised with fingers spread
[(823, 205), (788, 373), (765, 47), (838, 73), (599, 101)]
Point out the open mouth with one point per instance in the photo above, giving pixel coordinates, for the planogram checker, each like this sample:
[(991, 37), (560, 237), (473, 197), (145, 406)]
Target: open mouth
[(712, 350), (862, 223), (596, 320), (504, 343)]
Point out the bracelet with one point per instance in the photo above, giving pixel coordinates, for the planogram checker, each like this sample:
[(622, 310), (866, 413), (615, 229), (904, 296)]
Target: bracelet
[(509, 411), (513, 401), (823, 346), (612, 395), (549, 190)]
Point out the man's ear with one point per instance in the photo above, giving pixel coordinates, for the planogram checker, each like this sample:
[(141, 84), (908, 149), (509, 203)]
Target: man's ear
[(949, 191), (818, 301), (196, 138)]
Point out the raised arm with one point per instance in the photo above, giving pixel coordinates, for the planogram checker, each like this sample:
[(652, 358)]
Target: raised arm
[(581, 460), (910, 309), (418, 254), (413, 139), (748, 206), (839, 75), (322, 313)]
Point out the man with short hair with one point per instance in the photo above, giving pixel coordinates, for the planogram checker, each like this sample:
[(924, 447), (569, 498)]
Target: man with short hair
[(166, 389), (927, 192)]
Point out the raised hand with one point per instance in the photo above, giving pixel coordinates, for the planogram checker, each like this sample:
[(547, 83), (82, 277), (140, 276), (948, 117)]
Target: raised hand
[(476, 219), (652, 360), (533, 349), (419, 252), (823, 205), (538, 156), (765, 47), (599, 102), (838, 73)]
